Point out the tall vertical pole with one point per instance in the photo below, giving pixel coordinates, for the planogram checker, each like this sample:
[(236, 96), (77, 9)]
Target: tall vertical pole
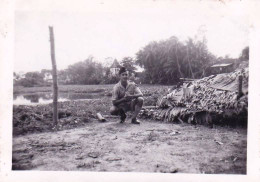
[(54, 78)]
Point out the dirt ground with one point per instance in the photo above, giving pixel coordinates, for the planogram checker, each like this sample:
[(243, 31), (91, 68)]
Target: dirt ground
[(149, 147), (84, 143)]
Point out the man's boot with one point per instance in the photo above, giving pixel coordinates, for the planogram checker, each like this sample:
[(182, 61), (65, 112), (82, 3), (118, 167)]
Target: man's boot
[(122, 116), (135, 121)]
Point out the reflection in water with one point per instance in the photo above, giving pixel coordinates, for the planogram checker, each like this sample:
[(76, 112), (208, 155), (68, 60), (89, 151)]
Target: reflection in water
[(34, 100), (46, 98)]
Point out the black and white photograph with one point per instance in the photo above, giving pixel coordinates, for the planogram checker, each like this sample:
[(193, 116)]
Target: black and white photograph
[(131, 86)]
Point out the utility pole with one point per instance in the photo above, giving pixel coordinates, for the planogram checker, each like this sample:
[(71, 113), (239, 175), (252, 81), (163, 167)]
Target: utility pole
[(54, 78)]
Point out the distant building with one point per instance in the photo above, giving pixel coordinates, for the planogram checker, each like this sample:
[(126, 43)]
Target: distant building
[(114, 68), (223, 66), (47, 77), (19, 75), (64, 80)]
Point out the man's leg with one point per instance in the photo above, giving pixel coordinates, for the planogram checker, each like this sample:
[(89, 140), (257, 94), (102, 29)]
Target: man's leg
[(118, 112), (113, 110), (137, 108)]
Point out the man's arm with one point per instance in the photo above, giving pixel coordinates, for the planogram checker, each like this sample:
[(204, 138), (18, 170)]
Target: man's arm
[(116, 101), (137, 94), (134, 96), (119, 101)]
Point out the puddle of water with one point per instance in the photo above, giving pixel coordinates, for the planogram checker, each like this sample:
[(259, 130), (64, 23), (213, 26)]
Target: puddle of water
[(21, 100), (36, 99)]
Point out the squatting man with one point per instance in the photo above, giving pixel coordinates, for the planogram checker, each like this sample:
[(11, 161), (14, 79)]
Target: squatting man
[(126, 96)]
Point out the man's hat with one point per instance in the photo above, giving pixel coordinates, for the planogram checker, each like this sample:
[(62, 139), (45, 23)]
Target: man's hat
[(122, 70)]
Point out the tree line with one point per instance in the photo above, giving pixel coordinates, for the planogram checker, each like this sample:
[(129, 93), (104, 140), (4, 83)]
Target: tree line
[(85, 72), (164, 62)]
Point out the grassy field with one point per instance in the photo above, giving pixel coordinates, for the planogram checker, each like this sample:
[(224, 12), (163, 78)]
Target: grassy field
[(81, 142)]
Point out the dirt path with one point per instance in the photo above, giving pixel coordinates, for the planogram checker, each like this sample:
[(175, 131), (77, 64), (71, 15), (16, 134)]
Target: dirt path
[(149, 147)]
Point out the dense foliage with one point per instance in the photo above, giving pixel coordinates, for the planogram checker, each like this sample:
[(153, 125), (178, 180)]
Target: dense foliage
[(167, 61), (85, 72), (29, 79), (245, 54)]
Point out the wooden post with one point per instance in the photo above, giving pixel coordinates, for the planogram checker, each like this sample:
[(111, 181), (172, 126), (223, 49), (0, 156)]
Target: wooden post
[(54, 78), (240, 82)]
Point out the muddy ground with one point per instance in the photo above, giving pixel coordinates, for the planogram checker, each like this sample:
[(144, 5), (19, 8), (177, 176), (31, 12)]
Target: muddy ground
[(149, 147), (81, 142)]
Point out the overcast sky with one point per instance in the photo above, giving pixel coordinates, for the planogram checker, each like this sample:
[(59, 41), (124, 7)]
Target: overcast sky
[(112, 29)]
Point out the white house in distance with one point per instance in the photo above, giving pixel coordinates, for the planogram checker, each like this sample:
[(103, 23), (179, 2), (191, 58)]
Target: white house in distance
[(114, 68), (47, 77), (19, 75)]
